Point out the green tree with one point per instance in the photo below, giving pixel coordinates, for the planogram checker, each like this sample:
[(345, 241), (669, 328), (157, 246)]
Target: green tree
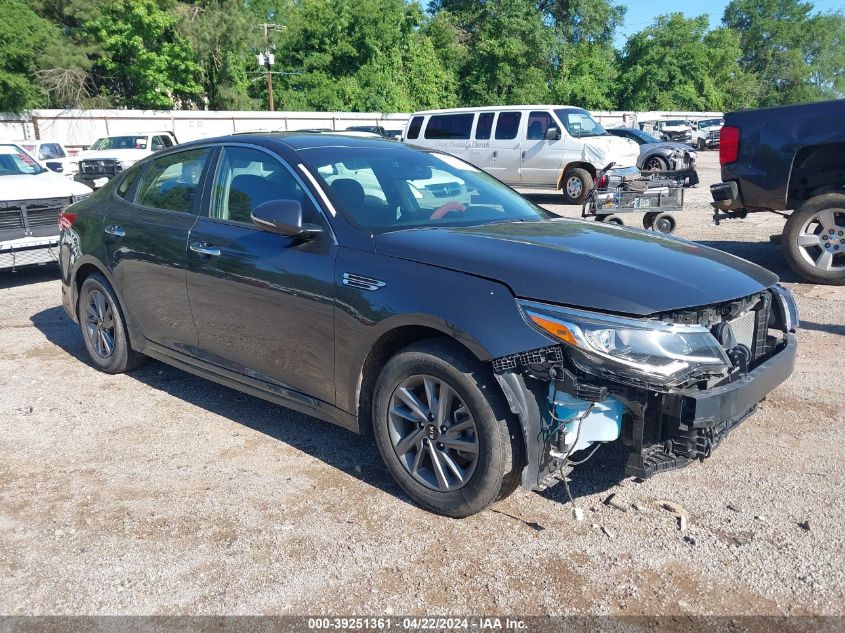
[(675, 64), (797, 56), (141, 60), (30, 46), (221, 34), (372, 55)]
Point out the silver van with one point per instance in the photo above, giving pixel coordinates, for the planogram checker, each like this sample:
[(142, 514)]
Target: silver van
[(532, 146)]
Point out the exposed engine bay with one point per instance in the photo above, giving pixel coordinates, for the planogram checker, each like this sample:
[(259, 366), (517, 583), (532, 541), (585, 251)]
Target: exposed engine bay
[(571, 402)]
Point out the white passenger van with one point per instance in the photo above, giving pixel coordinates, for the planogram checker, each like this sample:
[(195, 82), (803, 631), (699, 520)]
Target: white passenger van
[(535, 146)]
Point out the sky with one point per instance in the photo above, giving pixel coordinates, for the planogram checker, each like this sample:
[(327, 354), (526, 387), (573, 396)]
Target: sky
[(641, 13)]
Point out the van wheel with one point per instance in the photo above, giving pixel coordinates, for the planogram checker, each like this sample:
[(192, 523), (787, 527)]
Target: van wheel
[(814, 239), (443, 429), (577, 183), (104, 328)]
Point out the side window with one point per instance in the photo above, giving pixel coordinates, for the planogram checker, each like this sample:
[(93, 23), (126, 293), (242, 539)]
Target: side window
[(248, 177), (166, 141), (449, 126), (171, 183), (50, 150), (538, 123), (414, 128), (484, 126), (507, 125), (128, 180), (158, 144)]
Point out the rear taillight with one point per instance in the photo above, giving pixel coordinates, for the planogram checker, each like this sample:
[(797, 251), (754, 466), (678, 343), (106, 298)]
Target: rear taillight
[(729, 145), (66, 219), (602, 183)]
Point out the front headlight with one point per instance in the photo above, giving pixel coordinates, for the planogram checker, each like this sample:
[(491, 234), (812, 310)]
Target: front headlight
[(642, 350)]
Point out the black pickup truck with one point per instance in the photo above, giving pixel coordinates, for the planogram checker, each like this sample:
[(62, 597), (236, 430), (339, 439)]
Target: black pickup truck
[(790, 158)]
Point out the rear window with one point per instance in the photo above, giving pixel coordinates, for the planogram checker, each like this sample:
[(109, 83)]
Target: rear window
[(507, 125), (449, 126), (414, 128), (485, 125)]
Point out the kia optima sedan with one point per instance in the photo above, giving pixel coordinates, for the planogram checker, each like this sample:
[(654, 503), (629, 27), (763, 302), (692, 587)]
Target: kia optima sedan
[(481, 343)]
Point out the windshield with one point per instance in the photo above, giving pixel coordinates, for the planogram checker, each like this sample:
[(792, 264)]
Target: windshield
[(14, 161), (644, 137), (710, 123), (674, 123), (389, 190), (120, 142), (579, 123)]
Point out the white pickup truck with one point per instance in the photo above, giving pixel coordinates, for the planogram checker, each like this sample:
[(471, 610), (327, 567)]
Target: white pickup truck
[(52, 155), (31, 199), (112, 154)]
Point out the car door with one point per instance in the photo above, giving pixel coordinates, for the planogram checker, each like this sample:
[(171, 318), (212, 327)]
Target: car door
[(146, 240), (505, 158), (263, 303), (541, 158)]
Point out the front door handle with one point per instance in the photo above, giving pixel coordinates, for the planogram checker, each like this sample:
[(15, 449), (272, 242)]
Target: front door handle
[(523, 155), (114, 229), (204, 248)]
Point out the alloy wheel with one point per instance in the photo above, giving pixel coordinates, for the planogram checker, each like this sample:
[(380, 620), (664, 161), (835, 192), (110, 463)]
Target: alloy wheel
[(821, 240), (99, 324), (433, 433)]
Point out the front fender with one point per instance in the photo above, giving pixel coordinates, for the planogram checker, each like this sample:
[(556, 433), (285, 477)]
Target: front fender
[(481, 314)]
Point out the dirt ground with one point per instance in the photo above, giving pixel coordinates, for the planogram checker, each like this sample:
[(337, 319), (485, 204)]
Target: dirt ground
[(159, 492)]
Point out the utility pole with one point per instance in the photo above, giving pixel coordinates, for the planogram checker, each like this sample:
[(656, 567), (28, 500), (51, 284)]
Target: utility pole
[(266, 57)]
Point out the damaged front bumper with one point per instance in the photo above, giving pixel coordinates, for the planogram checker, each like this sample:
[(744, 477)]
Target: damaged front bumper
[(663, 428)]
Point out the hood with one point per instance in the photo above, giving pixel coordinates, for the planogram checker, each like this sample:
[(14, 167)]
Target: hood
[(584, 264), (601, 150), (677, 128), (123, 155), (668, 146), (47, 184)]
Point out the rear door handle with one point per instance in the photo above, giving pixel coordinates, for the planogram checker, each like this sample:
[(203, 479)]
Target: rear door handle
[(204, 248), (114, 229), (495, 153)]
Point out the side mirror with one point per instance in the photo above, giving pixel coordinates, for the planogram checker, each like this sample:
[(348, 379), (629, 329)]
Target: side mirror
[(285, 218), (552, 134)]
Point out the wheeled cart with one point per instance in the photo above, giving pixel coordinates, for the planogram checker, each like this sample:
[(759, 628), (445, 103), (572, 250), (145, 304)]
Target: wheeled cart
[(659, 198)]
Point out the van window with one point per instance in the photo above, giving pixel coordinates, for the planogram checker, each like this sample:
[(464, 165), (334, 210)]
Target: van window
[(449, 126), (414, 128), (485, 125), (538, 123), (507, 125)]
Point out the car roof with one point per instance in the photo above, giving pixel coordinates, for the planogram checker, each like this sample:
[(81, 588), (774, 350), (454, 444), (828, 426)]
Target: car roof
[(299, 140), (496, 108)]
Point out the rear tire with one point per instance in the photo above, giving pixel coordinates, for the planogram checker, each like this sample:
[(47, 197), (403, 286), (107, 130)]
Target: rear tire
[(577, 183), (486, 446), (104, 328), (814, 239)]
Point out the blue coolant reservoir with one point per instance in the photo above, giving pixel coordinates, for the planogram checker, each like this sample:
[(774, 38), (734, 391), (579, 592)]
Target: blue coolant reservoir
[(603, 424)]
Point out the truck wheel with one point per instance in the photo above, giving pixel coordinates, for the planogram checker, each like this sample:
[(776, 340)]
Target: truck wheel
[(577, 183), (814, 239), (104, 328), (701, 144), (443, 430)]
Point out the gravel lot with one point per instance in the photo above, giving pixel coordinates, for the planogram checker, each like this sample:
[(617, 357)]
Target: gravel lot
[(158, 492)]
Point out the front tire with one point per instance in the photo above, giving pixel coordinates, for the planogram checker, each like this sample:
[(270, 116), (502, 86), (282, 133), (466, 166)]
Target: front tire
[(104, 328), (577, 183), (655, 163), (443, 430), (814, 239)]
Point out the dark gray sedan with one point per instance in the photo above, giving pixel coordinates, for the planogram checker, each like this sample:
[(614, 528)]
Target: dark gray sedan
[(657, 155)]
